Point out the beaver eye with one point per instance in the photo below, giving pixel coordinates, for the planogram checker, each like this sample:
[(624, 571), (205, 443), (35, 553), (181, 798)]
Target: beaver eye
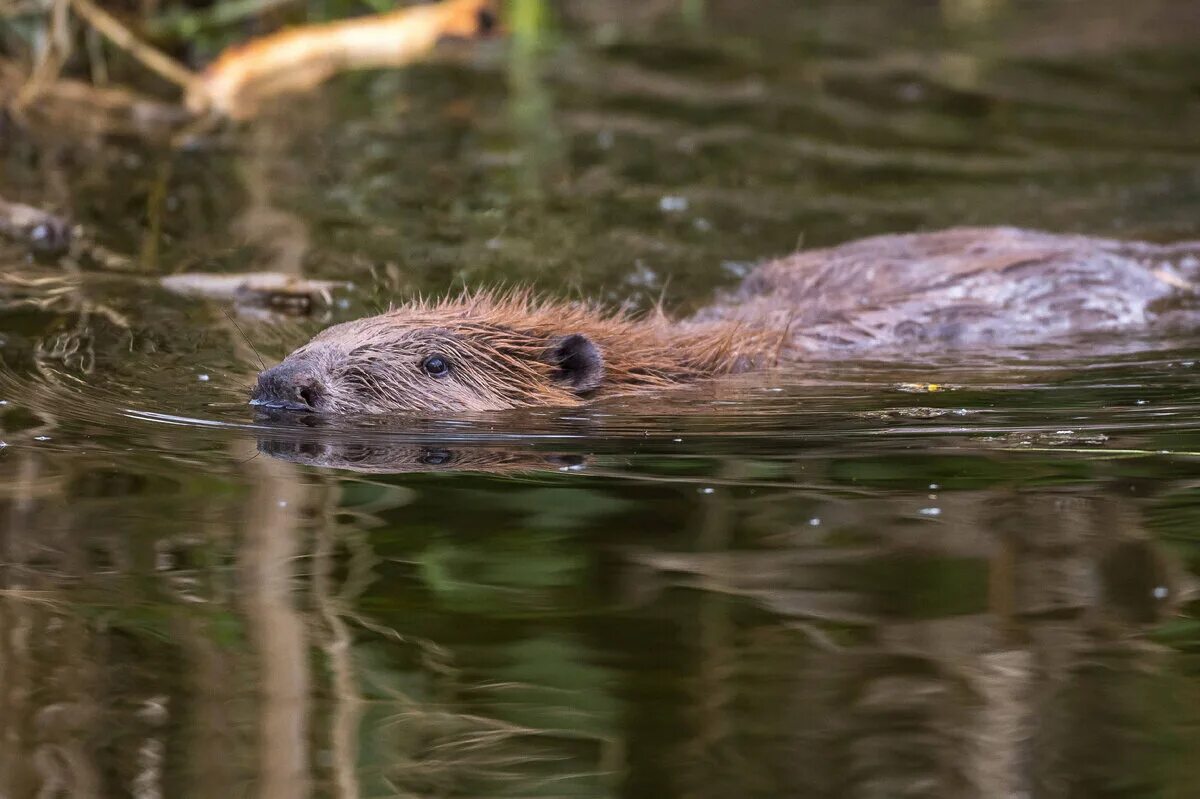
[(435, 366)]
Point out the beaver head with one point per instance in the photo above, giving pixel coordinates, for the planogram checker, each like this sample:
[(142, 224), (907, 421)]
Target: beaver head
[(483, 353), (425, 362)]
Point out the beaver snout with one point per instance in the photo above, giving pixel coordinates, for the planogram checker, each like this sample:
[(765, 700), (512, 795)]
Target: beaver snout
[(289, 387)]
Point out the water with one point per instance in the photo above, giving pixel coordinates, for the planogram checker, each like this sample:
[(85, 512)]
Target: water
[(838, 582)]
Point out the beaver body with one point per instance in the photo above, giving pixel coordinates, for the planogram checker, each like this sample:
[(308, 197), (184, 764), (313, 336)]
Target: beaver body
[(966, 287)]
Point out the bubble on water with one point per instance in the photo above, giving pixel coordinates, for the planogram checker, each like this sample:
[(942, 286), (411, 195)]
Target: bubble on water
[(202, 378), (673, 204), (814, 521), (283, 503), (1161, 592), (707, 490), (930, 511)]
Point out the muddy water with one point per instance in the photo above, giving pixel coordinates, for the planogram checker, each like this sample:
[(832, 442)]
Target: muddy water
[(833, 583)]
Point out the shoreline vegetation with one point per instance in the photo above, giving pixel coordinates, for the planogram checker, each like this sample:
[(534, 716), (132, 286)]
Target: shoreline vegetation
[(40, 88), (234, 86)]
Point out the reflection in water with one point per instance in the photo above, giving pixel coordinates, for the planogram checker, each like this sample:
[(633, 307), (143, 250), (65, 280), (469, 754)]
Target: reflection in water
[(275, 629), (791, 641), (1040, 593), (433, 456)]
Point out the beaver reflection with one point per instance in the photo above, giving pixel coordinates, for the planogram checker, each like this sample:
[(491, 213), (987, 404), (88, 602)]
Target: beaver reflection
[(400, 458)]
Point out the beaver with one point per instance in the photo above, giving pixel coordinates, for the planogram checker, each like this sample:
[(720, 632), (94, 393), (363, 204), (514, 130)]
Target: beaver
[(893, 295)]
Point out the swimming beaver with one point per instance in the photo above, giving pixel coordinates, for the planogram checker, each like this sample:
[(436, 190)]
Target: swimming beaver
[(901, 294)]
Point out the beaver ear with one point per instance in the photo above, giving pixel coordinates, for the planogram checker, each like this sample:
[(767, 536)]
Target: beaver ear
[(580, 364)]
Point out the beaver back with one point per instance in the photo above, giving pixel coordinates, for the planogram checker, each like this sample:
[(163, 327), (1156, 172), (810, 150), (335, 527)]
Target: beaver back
[(964, 287)]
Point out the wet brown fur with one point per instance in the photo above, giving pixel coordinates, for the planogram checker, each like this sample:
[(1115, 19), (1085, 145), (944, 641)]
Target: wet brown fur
[(981, 287), (497, 344)]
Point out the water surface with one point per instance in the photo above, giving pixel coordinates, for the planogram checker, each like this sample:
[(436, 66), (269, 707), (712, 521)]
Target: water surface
[(952, 578)]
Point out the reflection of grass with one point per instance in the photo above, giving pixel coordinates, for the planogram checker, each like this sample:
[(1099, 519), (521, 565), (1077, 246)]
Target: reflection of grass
[(423, 739), (29, 595), (530, 104)]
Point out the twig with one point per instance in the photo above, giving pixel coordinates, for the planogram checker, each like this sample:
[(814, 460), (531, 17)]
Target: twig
[(155, 60)]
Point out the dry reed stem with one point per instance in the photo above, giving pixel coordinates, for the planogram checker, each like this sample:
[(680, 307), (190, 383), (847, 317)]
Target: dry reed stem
[(155, 60)]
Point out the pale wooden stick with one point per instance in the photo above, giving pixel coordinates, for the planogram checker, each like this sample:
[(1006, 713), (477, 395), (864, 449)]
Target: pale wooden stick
[(301, 58)]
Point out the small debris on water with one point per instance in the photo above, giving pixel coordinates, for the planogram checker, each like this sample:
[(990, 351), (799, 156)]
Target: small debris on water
[(913, 413), (930, 511), (1059, 438), (737, 268), (925, 388), (707, 490), (41, 438), (202, 378), (1161, 592), (814, 521)]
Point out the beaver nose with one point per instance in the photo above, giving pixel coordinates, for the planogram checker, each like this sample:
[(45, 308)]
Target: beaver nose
[(289, 387)]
